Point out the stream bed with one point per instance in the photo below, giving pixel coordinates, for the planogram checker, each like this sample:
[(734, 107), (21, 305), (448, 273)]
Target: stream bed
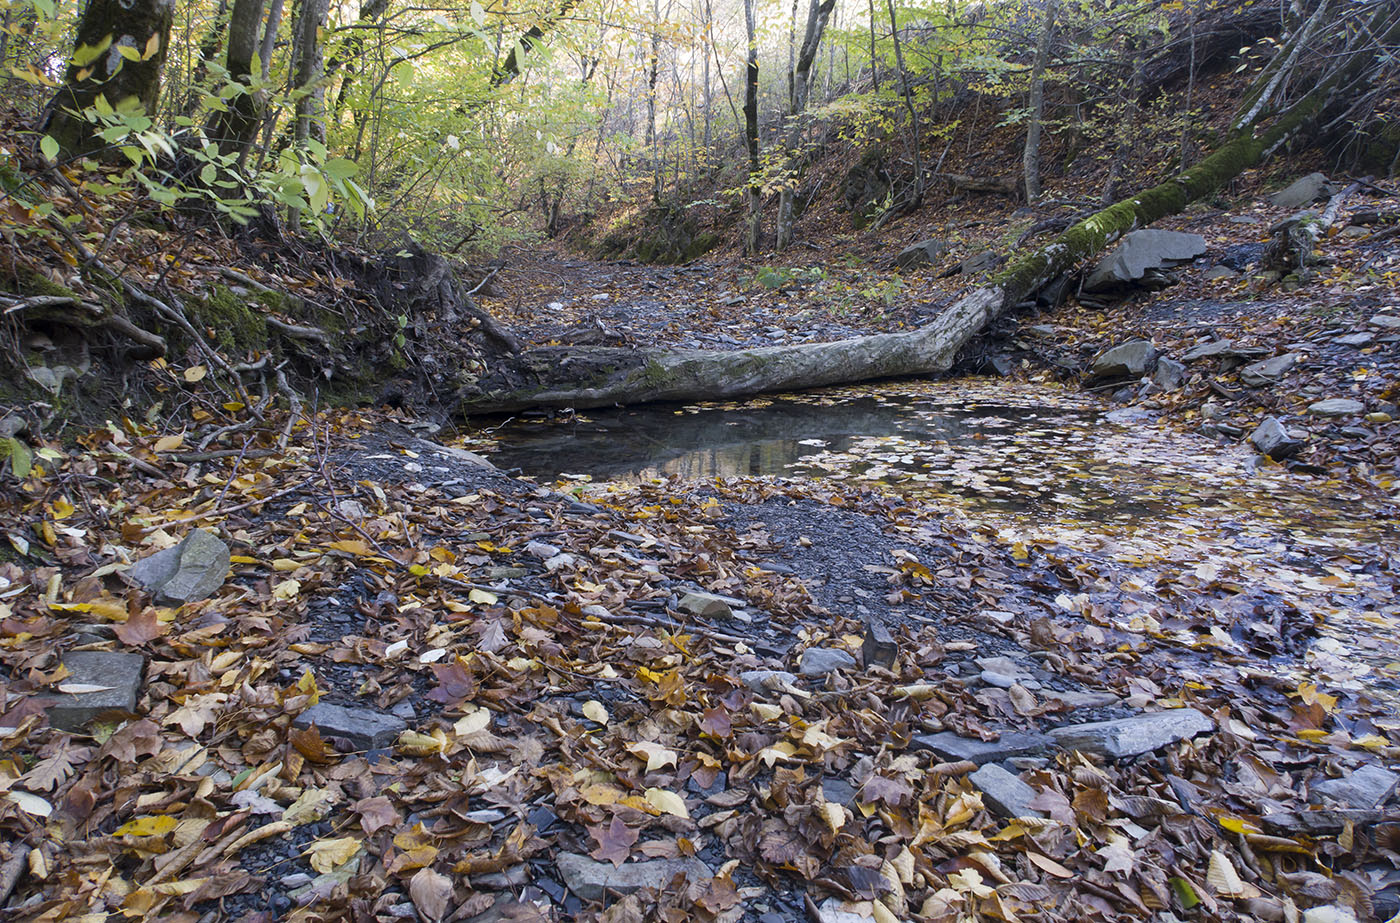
[(1031, 464)]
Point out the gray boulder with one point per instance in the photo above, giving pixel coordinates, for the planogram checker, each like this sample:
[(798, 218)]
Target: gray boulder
[(979, 262), (1126, 360), (1272, 438), (1337, 407), (590, 879), (1169, 374), (111, 681), (1005, 794), (1268, 371), (819, 661), (1302, 192), (923, 253), (950, 746), (1141, 251), (1367, 787), (1133, 736), (189, 571), (706, 605), (365, 728)]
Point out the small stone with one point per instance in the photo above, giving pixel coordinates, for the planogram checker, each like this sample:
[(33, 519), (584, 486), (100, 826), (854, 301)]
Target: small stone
[(1000, 680), (1221, 272), (1337, 407), (1005, 794), (365, 728), (879, 648), (1386, 321), (767, 680), (952, 747), (1133, 736), (1243, 219), (838, 791), (590, 879), (1319, 822), (542, 550), (1127, 360), (1043, 330), (189, 571), (705, 605), (819, 661), (1257, 374), (1329, 913), (1272, 438), (835, 910), (119, 673), (1357, 340), (1169, 374), (1005, 666), (1368, 787)]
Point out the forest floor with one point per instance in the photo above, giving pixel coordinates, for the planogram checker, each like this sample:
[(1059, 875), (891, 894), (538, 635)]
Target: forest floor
[(665, 700)]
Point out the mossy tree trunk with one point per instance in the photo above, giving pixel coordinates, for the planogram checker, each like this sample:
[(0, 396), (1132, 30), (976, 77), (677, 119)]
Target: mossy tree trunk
[(234, 128), (118, 54)]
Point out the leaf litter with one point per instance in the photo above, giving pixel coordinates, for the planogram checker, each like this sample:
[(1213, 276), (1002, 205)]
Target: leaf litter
[(558, 702)]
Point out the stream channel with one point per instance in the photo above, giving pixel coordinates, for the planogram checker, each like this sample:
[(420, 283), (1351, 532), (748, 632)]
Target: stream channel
[(1030, 463)]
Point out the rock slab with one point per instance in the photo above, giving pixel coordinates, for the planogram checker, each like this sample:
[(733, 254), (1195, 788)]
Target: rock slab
[(1303, 191), (706, 605), (1267, 371), (950, 746), (1005, 794), (819, 661), (590, 879), (1126, 360), (1337, 407), (1169, 374), (767, 680), (189, 571), (1133, 736), (1141, 251), (923, 253), (365, 728), (1367, 787), (878, 648), (1272, 438), (117, 676)]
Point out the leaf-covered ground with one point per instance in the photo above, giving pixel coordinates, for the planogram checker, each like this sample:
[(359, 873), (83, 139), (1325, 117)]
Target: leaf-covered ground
[(561, 702)]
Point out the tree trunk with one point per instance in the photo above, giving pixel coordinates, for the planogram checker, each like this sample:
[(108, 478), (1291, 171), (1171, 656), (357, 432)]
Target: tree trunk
[(235, 128), (753, 195), (309, 70), (580, 378), (1030, 159), (906, 91), (817, 16), (98, 70)]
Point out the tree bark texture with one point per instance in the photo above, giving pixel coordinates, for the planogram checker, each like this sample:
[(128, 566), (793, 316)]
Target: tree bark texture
[(753, 195), (235, 128), (1030, 160), (99, 69)]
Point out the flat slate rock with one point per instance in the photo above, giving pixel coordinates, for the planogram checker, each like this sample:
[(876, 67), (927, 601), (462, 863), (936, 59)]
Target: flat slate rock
[(819, 661), (590, 879), (950, 746), (1126, 360), (187, 572), (1141, 251), (1302, 191), (1386, 321), (1367, 787), (1267, 371), (1133, 736), (1005, 794), (1272, 438), (767, 680), (1337, 407), (120, 673), (706, 605), (922, 253), (365, 728)]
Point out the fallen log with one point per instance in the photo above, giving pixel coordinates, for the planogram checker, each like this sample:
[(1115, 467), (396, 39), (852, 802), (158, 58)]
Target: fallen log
[(560, 377)]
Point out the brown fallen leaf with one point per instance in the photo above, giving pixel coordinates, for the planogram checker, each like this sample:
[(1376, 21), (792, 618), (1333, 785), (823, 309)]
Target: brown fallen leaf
[(431, 893), (614, 841), (141, 628)]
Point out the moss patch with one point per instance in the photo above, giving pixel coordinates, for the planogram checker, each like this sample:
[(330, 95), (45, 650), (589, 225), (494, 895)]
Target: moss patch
[(229, 320)]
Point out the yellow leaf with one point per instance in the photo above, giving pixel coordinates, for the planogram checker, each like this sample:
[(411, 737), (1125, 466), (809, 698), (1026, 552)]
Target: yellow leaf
[(656, 756), (1371, 742), (328, 855), (1045, 863), (483, 598), (62, 509), (765, 712), (170, 443), (1237, 825), (600, 794), (311, 806), (287, 589), (1019, 551), (834, 815), (594, 710), (350, 546), (667, 802), (195, 373), (473, 723), (242, 559), (152, 46), (307, 686), (284, 564), (151, 825), (412, 743), (1224, 880)]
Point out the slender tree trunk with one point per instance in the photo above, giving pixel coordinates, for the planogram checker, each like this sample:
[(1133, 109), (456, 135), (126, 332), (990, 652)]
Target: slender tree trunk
[(1188, 119), (817, 15), (753, 194), (140, 25), (1030, 159), (310, 106), (874, 66), (235, 128), (917, 197), (269, 42), (1128, 128)]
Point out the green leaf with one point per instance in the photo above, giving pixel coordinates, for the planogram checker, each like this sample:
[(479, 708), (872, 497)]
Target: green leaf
[(21, 460), (340, 168), (1185, 893), (84, 55), (50, 148)]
